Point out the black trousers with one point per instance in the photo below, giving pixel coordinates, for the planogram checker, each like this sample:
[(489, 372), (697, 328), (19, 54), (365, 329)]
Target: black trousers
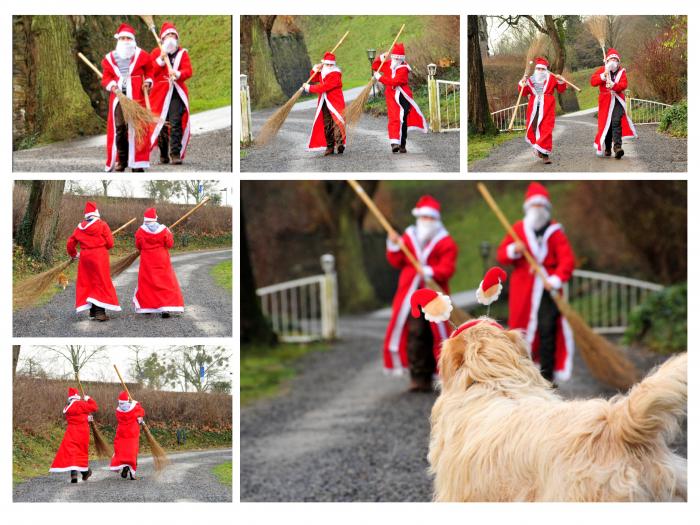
[(547, 319), (614, 135), (122, 136), (406, 105), (170, 138), (421, 360), (334, 137)]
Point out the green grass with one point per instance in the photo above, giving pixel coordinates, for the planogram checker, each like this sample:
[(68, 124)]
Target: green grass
[(32, 454), (321, 33), (264, 370), (480, 146), (223, 274), (588, 97), (208, 41), (224, 473)]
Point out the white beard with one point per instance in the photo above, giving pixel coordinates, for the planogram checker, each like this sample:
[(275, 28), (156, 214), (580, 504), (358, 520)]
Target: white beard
[(613, 66), (170, 45), (536, 217), (395, 63), (124, 405), (425, 230), (540, 76), (125, 49)]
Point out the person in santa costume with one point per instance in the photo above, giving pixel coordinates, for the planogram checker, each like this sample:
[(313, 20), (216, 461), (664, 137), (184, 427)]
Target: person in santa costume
[(157, 290), (128, 69), (129, 415), (531, 307), (170, 98), (72, 454), (328, 129), (613, 121), (403, 112), (414, 343), (93, 286), (541, 107)]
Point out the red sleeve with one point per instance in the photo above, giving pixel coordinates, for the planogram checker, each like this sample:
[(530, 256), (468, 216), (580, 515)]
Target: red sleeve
[(314, 76), (89, 405), (168, 239), (397, 259), (400, 78), (526, 89), (595, 77), (138, 241), (445, 268), (109, 77), (185, 66), (561, 87), (375, 64), (332, 81), (140, 412), (566, 261), (621, 84), (107, 235), (502, 252), (71, 245), (147, 67)]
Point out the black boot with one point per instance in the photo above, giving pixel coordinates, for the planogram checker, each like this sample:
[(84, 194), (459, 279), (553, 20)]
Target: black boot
[(341, 149), (92, 312), (619, 152), (402, 149), (86, 474), (125, 471), (165, 315), (137, 170), (608, 153), (131, 476), (546, 159), (74, 476), (100, 314), (395, 148)]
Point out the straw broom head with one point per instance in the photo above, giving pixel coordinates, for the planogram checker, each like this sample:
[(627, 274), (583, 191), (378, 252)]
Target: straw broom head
[(120, 265), (274, 123), (138, 117), (354, 111), (148, 20), (101, 446), (598, 27), (537, 47), (160, 458), (27, 292)]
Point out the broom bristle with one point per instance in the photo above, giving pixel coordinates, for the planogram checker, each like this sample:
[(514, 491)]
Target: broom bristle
[(354, 110), (101, 446), (27, 292), (604, 360), (148, 19), (138, 117), (122, 264), (274, 123), (160, 458), (598, 27), (536, 48)]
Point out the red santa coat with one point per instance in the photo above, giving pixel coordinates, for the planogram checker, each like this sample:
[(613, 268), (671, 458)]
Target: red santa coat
[(557, 258), (140, 72), (329, 87), (396, 84), (605, 106), (440, 253), (94, 283), (73, 452), (163, 91), (157, 289), (539, 134), (126, 439)]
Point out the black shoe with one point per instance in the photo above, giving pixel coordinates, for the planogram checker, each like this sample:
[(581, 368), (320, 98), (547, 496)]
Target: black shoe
[(341, 149), (165, 315), (175, 158), (608, 153), (546, 159), (86, 474), (120, 167), (131, 476), (395, 148), (329, 151), (619, 152), (74, 476), (92, 312), (125, 471), (138, 170), (402, 149), (164, 159)]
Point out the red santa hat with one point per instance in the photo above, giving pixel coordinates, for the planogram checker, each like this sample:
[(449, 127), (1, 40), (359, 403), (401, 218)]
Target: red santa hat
[(125, 30), (398, 52), (491, 285), (91, 210), (168, 28), (150, 215), (328, 59), (542, 62), (123, 396), (427, 206), (72, 392), (612, 53), (436, 306), (536, 194)]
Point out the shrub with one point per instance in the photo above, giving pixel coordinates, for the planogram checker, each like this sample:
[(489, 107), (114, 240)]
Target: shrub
[(674, 120), (661, 321)]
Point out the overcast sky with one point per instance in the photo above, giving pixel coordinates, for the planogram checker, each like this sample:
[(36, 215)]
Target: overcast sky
[(137, 188)]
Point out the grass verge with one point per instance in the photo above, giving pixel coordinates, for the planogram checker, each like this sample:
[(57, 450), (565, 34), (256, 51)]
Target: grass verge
[(223, 274), (480, 146), (224, 473)]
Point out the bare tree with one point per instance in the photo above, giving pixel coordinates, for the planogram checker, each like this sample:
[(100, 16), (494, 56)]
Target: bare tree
[(77, 356), (105, 186), (186, 362), (15, 358), (163, 190)]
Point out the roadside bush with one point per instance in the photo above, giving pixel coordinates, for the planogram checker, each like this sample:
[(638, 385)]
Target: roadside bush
[(674, 120)]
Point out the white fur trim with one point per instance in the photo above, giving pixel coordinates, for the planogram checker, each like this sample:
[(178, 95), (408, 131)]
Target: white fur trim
[(511, 253), (160, 229), (537, 199), (67, 469), (125, 33), (425, 211), (392, 246), (106, 306), (139, 310), (169, 31), (481, 297), (554, 281), (119, 467), (428, 272)]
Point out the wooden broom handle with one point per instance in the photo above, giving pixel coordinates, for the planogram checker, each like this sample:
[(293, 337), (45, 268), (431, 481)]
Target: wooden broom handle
[(391, 47), (123, 226), (571, 84), (385, 224), (126, 389), (202, 203), (80, 385), (332, 51), (520, 95), (504, 221), (90, 64)]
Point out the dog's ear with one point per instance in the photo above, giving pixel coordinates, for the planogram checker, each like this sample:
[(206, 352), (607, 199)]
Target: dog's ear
[(516, 337), (451, 364)]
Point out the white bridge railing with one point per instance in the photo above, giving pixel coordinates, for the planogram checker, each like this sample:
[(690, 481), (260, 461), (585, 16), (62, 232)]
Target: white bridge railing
[(501, 118), (443, 101), (605, 301), (306, 309)]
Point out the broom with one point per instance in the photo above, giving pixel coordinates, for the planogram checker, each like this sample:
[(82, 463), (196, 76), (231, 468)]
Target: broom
[(27, 292), (457, 316), (122, 264), (138, 117), (604, 360), (101, 446), (598, 27), (533, 51), (354, 110), (274, 123), (160, 458), (150, 23)]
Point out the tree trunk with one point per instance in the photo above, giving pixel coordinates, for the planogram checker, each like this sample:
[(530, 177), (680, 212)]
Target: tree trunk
[(63, 108), (556, 32), (479, 116), (37, 232), (254, 326), (15, 359), (256, 62)]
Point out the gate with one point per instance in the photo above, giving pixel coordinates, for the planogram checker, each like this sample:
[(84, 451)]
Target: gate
[(443, 101)]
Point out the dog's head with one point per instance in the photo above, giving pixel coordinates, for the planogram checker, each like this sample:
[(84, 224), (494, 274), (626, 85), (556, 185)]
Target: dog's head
[(486, 353)]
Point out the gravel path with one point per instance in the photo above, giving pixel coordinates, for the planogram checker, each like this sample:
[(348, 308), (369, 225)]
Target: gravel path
[(344, 432), (207, 307), (188, 478), (573, 151), (209, 151), (368, 149)]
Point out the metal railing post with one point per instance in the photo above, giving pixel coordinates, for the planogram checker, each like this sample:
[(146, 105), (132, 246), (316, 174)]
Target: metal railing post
[(246, 117)]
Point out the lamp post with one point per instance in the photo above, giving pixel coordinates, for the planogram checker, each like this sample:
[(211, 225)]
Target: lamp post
[(371, 53), (485, 251)]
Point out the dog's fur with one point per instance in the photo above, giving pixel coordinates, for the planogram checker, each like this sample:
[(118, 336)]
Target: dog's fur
[(499, 431)]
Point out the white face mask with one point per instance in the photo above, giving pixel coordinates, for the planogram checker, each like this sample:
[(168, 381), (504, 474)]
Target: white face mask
[(613, 65), (536, 217), (426, 228), (395, 62), (170, 45), (124, 405), (126, 48), (540, 75)]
